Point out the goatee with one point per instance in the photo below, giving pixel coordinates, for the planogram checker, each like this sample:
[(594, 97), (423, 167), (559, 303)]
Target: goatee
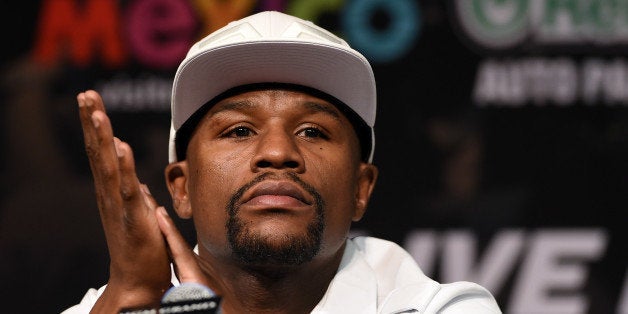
[(262, 250)]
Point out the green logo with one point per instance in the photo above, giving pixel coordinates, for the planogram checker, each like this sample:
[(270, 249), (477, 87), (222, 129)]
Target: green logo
[(496, 24)]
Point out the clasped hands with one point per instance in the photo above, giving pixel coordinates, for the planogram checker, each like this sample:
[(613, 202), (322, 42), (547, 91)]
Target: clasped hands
[(141, 238)]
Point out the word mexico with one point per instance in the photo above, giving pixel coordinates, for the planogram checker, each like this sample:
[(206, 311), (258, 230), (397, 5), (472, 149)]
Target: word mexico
[(157, 33), (137, 44)]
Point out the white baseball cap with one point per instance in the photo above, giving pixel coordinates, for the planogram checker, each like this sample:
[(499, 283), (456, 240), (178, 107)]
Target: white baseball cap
[(272, 47)]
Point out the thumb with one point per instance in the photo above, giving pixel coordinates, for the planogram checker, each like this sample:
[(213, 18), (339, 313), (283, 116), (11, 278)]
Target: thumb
[(184, 259)]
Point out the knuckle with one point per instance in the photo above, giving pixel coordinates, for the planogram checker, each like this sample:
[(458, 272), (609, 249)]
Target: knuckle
[(91, 150), (105, 203), (127, 193), (108, 173)]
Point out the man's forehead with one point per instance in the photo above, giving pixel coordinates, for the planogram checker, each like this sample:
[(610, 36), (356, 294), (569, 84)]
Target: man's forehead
[(249, 100)]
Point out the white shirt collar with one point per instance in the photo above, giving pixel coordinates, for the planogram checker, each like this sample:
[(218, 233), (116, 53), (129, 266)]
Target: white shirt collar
[(353, 289)]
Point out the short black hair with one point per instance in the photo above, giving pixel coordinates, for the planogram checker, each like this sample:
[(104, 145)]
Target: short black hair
[(363, 131)]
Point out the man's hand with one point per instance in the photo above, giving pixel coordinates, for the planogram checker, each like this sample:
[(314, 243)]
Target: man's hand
[(186, 262), (140, 267)]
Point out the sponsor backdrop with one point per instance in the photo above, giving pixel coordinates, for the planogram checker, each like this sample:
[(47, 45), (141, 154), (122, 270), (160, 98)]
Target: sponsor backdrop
[(502, 136)]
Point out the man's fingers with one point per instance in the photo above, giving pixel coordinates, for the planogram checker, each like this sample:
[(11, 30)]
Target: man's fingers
[(97, 132), (184, 258), (85, 114), (130, 193), (149, 200), (101, 152), (112, 163), (98, 102), (139, 257)]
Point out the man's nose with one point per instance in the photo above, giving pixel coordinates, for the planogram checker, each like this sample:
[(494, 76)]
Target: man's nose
[(277, 148)]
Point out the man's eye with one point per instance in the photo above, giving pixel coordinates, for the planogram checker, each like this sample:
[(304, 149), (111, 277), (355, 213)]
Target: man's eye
[(313, 133), (239, 132)]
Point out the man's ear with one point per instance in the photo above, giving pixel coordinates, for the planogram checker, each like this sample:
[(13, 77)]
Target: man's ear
[(176, 180), (366, 182)]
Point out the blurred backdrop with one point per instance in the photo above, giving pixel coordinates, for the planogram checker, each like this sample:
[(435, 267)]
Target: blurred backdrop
[(502, 136)]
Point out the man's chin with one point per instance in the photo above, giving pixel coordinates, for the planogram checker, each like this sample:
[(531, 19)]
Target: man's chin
[(275, 249)]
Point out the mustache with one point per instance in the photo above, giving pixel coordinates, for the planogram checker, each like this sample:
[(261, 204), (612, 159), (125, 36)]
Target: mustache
[(318, 199)]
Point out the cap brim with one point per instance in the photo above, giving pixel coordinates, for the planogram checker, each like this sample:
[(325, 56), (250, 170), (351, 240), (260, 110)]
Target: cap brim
[(330, 69)]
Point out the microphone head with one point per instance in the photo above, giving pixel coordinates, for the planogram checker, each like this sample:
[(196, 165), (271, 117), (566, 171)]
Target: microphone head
[(187, 291), (184, 298), (189, 298)]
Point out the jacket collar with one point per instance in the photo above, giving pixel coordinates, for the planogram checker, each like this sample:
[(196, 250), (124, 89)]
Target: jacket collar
[(353, 289)]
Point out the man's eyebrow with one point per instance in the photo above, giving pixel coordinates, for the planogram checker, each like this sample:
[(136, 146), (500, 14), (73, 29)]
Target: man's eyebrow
[(232, 105), (316, 107)]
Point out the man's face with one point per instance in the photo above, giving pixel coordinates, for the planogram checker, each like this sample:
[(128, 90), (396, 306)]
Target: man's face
[(274, 178)]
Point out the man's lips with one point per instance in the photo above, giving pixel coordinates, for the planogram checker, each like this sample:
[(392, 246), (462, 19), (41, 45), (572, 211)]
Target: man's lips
[(276, 194)]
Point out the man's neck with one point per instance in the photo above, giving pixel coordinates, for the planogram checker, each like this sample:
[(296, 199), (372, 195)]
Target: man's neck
[(276, 289)]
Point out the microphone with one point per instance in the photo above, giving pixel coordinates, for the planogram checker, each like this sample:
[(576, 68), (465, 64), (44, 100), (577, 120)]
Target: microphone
[(184, 298)]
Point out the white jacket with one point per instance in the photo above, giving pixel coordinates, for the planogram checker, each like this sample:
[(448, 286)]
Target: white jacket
[(378, 276)]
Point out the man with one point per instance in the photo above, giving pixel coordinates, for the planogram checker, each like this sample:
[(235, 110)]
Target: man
[(271, 156)]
